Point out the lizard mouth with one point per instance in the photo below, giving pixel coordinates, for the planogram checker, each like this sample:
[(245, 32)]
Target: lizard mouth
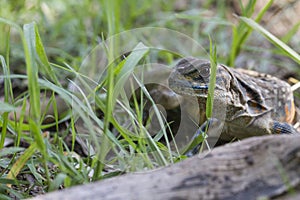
[(185, 87)]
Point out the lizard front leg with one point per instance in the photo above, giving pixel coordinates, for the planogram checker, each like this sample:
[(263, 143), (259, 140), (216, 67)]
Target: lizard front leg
[(282, 128), (210, 127)]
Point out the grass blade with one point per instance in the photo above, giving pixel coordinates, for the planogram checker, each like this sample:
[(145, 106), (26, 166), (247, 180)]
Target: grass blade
[(6, 107), (131, 61), (277, 42), (33, 85), (19, 164), (47, 70), (8, 22), (242, 31), (212, 80), (32, 72)]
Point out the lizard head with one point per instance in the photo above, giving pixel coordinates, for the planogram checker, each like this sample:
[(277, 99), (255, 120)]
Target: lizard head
[(191, 77)]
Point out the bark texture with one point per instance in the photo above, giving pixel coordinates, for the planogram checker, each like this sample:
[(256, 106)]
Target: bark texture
[(254, 168)]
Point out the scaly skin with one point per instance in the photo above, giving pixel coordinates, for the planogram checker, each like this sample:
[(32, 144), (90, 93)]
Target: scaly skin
[(248, 103)]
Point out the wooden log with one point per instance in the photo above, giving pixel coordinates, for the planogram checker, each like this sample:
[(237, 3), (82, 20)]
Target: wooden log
[(258, 167)]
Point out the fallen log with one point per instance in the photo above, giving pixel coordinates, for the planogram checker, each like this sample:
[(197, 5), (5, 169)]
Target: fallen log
[(258, 167)]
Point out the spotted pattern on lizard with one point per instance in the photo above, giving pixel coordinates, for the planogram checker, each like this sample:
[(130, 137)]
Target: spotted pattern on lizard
[(256, 104)]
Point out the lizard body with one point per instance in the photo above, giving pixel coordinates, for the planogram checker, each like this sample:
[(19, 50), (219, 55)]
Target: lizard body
[(255, 104)]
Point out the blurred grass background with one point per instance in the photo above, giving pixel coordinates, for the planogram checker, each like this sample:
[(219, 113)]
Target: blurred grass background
[(69, 30)]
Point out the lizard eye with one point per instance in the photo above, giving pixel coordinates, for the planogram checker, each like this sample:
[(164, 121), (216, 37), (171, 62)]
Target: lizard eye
[(205, 71)]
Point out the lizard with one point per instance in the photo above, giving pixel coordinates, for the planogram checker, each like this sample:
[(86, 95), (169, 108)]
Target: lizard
[(255, 103)]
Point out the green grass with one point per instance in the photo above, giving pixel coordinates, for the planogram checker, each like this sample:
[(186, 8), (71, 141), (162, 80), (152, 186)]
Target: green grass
[(47, 54), (241, 32)]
